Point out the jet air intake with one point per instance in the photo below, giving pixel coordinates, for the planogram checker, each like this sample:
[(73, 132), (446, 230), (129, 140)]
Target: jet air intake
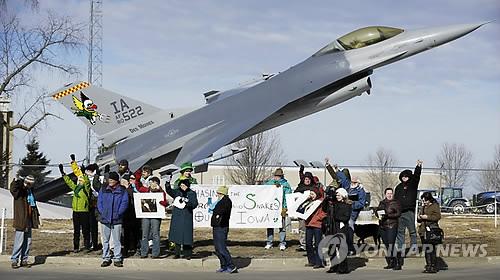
[(355, 89)]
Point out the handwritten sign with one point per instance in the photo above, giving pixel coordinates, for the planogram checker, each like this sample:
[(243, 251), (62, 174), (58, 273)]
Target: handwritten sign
[(253, 206)]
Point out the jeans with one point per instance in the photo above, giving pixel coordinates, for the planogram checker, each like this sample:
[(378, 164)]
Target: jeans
[(389, 238), (282, 230), (150, 227), (22, 244), (114, 231), (81, 220), (312, 251), (220, 238), (407, 220)]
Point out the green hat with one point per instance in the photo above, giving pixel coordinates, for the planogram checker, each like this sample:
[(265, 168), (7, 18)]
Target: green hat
[(185, 166)]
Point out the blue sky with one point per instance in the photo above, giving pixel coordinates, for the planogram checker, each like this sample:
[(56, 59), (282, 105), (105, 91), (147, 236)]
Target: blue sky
[(168, 53)]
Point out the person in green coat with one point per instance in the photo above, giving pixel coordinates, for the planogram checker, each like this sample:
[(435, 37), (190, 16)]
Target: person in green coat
[(181, 225), (80, 205), (186, 169)]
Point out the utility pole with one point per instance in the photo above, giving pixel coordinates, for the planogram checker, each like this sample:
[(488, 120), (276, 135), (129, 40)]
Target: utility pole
[(95, 59)]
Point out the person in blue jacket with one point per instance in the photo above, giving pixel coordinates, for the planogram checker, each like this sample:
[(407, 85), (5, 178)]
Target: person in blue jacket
[(112, 202), (356, 192)]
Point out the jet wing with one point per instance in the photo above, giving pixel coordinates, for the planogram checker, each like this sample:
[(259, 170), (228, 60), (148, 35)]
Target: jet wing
[(208, 142)]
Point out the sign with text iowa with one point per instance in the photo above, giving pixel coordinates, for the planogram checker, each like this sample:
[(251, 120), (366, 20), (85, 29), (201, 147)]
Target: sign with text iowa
[(253, 206)]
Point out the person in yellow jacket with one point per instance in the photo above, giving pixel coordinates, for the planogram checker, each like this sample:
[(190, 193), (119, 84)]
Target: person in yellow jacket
[(80, 204)]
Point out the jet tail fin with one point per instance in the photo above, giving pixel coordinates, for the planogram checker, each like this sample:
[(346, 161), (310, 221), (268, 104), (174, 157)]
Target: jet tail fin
[(102, 110)]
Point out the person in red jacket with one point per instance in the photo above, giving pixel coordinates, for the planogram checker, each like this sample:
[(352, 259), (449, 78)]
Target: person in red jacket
[(313, 231), (151, 226)]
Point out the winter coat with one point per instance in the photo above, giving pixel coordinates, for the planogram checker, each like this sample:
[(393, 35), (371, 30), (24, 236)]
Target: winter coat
[(284, 185), (392, 210), (144, 189), (24, 214), (341, 214), (181, 224), (192, 181), (80, 202), (433, 213), (358, 192), (406, 192), (316, 219), (112, 204), (301, 188), (222, 213)]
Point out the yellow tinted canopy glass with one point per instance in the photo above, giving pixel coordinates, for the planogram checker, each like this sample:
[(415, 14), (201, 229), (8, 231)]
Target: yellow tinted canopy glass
[(367, 36)]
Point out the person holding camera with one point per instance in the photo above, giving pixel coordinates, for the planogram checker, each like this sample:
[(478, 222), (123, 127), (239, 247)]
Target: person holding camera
[(26, 217), (181, 224), (428, 219), (339, 220), (279, 181)]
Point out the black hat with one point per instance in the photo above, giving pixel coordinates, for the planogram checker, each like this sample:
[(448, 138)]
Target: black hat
[(405, 173), (309, 175), (126, 176), (155, 179), (113, 175), (123, 162), (185, 182), (92, 167)]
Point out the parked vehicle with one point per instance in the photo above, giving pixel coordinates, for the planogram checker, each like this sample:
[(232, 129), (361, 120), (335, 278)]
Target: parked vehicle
[(450, 199), (487, 198)]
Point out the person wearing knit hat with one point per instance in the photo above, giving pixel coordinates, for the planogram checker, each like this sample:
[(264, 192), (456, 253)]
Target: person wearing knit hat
[(181, 224), (26, 217), (406, 193), (221, 212), (279, 181), (306, 184), (112, 202), (339, 218)]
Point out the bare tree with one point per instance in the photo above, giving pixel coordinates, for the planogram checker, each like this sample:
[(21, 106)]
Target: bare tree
[(381, 174), (255, 164), (25, 49), (489, 178), (456, 161)]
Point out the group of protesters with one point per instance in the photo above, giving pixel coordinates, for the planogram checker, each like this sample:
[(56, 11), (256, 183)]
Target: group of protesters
[(109, 199), (343, 200)]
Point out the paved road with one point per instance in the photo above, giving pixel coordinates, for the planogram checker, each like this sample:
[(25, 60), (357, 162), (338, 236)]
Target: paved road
[(75, 272)]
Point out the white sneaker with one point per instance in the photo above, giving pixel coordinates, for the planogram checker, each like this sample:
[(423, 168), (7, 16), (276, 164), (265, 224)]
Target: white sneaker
[(268, 246), (282, 247)]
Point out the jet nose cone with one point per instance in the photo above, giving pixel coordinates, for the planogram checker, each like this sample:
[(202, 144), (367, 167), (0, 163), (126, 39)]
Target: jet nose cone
[(446, 34)]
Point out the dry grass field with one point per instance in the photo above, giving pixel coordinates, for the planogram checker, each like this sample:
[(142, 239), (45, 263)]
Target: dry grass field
[(55, 239)]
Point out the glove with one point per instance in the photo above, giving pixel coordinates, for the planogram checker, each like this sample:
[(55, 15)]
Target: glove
[(82, 168), (61, 169), (301, 169), (284, 212), (72, 156), (106, 168), (185, 199)]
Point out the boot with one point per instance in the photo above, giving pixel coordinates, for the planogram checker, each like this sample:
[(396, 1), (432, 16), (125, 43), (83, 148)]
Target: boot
[(398, 261), (390, 263), (428, 263), (333, 269)]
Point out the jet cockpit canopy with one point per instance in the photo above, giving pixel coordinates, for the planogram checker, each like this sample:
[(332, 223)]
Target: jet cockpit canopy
[(360, 38)]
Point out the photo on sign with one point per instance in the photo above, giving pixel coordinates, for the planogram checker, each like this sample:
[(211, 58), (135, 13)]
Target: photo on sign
[(147, 205)]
